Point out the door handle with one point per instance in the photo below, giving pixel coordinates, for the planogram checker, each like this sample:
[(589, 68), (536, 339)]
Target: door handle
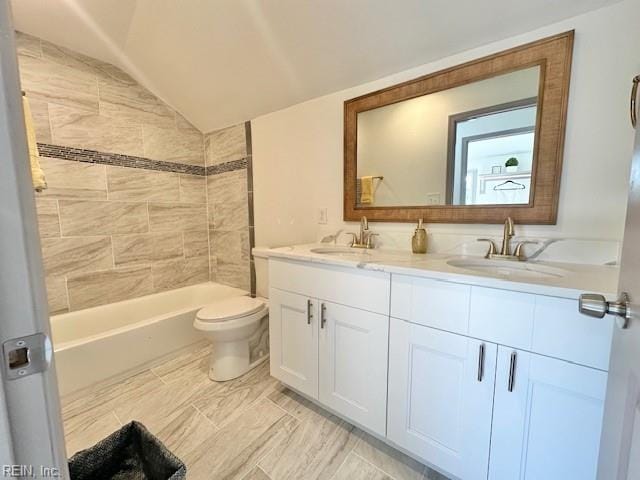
[(309, 314), (481, 362), (634, 96), (595, 305), (323, 315), (512, 371)]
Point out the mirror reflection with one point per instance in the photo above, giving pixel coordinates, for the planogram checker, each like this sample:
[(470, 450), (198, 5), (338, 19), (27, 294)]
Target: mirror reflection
[(469, 145)]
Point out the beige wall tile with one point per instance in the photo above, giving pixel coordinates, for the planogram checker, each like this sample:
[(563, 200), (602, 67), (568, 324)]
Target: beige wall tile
[(180, 273), (164, 217), (227, 247), (245, 245), (77, 128), (193, 189), (227, 187), (226, 145), (102, 218), (28, 45), (63, 256), (173, 145), (67, 179), (196, 243), (147, 248), (68, 58), (57, 295), (231, 215), (213, 266), (234, 275), (138, 184), (48, 220), (184, 124), (40, 115), (99, 288), (59, 84), (134, 103)]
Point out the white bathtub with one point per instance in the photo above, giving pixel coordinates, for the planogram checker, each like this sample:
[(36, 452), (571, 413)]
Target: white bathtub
[(112, 340)]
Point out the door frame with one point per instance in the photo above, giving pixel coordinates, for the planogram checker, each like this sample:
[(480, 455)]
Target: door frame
[(31, 431)]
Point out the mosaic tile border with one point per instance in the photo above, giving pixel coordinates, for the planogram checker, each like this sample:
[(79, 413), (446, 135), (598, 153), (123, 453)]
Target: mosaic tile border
[(130, 161), (227, 166)]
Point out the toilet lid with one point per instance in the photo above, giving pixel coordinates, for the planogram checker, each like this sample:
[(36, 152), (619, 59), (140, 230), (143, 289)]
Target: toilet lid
[(230, 308)]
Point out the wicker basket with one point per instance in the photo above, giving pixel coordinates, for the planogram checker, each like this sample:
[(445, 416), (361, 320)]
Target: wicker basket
[(131, 453)]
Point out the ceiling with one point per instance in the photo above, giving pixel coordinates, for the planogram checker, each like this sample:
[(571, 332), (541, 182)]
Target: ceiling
[(221, 62)]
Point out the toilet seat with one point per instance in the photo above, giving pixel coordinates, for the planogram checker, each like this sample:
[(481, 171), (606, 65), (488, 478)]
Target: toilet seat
[(230, 309)]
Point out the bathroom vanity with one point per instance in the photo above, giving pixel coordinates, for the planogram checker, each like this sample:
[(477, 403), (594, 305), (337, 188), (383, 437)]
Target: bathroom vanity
[(476, 374)]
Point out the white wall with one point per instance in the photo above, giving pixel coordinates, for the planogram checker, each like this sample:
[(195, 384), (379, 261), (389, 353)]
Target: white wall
[(297, 152), (407, 141)]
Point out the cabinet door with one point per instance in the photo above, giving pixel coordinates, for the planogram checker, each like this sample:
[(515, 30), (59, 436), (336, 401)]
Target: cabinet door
[(293, 333), (440, 397), (353, 364), (547, 425)]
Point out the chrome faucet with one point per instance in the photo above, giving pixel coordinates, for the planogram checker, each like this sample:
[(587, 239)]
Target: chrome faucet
[(363, 240), (505, 251)]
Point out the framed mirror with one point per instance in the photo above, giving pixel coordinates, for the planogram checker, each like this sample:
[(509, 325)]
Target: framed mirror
[(471, 144)]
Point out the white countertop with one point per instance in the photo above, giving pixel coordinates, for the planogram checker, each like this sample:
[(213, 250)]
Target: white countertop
[(576, 278)]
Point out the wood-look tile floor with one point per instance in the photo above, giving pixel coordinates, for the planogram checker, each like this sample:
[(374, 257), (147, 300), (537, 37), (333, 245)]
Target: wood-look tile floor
[(250, 428)]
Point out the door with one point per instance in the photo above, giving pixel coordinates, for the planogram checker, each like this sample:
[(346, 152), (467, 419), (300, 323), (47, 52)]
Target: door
[(30, 424), (620, 447), (353, 364), (293, 333), (547, 418), (441, 397)]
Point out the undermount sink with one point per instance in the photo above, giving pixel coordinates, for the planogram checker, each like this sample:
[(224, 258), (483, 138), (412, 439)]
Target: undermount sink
[(340, 251), (508, 268)]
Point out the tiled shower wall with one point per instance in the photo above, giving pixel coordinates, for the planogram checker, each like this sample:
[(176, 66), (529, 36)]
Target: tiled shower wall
[(126, 211), (230, 205)]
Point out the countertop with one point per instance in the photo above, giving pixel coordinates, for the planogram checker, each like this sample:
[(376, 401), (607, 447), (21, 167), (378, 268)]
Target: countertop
[(575, 280)]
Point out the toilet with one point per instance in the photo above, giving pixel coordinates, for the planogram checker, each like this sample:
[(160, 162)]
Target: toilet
[(229, 325)]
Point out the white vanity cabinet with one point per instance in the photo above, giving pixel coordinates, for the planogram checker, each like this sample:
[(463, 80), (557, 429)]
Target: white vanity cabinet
[(544, 414), (334, 353), (481, 383), (547, 418), (441, 397), (293, 335)]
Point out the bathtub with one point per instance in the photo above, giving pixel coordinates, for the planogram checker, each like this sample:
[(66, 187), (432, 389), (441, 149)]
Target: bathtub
[(122, 338)]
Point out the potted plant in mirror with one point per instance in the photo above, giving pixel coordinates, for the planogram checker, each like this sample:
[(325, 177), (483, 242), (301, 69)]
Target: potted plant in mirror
[(511, 165)]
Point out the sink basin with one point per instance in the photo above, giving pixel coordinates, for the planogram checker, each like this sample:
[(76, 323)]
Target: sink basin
[(508, 269), (340, 251)]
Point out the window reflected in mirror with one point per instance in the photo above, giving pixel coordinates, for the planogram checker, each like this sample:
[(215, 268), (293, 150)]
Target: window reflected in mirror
[(469, 145)]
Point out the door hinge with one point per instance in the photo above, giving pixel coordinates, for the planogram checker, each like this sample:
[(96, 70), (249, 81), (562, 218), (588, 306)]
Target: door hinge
[(25, 356)]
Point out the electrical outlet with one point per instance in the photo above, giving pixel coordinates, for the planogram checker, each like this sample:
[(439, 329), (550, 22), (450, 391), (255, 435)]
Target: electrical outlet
[(323, 216), (433, 198)]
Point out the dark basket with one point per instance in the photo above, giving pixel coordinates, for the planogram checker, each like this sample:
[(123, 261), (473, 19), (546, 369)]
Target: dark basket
[(131, 453)]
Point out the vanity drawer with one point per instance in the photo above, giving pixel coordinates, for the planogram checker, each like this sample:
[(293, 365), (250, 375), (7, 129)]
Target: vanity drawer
[(502, 316), (560, 331), (358, 288), (545, 325), (432, 303)]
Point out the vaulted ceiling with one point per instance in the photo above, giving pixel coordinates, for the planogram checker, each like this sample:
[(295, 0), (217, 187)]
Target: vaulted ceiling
[(220, 62)]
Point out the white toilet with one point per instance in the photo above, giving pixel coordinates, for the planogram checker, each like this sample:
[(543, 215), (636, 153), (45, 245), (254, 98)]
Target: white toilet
[(230, 324)]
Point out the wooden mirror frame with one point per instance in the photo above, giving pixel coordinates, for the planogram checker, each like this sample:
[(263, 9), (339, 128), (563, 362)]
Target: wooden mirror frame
[(553, 56)]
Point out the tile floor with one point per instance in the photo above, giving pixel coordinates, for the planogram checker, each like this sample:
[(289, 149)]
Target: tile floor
[(251, 428)]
